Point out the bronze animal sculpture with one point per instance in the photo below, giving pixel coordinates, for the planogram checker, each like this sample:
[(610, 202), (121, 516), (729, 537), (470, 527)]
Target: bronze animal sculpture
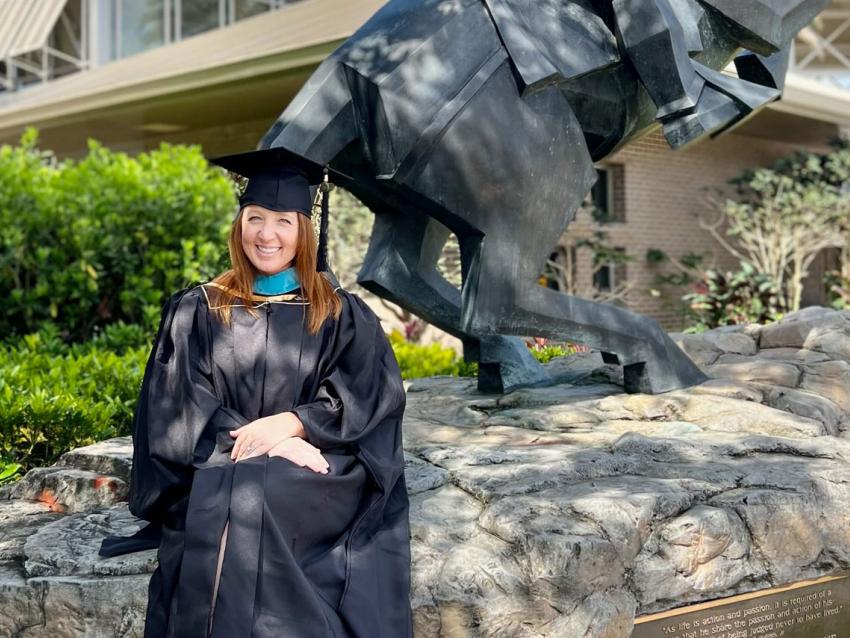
[(484, 118)]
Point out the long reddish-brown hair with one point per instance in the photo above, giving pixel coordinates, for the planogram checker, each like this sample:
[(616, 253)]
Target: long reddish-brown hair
[(238, 282)]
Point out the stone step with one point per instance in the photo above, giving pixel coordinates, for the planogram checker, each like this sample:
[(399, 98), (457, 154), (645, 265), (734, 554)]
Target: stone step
[(66, 607), (67, 489), (18, 521), (112, 457), (69, 546), (20, 605)]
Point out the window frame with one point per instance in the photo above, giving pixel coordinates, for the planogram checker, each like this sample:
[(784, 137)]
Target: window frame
[(616, 270), (612, 213), (172, 20)]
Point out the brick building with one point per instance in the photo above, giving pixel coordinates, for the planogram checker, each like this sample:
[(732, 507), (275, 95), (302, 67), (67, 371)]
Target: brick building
[(133, 73), (653, 200)]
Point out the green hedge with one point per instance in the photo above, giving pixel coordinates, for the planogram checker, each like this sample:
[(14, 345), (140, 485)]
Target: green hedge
[(417, 360), (104, 239), (55, 397)]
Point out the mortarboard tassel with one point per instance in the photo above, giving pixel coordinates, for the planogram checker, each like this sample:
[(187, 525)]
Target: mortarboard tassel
[(322, 256)]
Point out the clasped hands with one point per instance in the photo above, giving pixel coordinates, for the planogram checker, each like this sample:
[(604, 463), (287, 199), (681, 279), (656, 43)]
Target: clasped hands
[(278, 435)]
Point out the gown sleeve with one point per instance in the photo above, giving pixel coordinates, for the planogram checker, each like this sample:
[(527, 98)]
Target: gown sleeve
[(360, 386), (176, 404), (359, 405)]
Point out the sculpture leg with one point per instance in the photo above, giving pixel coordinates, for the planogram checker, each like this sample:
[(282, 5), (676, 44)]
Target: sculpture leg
[(512, 187), (651, 361), (724, 103), (655, 44), (692, 100), (765, 26), (766, 71), (401, 266), (522, 215)]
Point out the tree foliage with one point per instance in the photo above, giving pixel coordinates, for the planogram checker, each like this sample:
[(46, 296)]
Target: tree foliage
[(781, 217)]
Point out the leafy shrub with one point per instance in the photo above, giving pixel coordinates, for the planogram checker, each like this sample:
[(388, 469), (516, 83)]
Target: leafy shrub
[(55, 397), (716, 298), (746, 296), (9, 472), (776, 222), (416, 360), (548, 352), (837, 283), (105, 239)]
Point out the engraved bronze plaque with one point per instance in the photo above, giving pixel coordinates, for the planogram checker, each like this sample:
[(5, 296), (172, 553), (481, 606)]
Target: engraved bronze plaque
[(809, 609)]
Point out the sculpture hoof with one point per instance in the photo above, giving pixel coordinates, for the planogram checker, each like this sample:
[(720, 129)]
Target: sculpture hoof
[(680, 131), (715, 111)]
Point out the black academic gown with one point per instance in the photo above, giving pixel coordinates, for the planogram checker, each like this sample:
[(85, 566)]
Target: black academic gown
[(307, 555)]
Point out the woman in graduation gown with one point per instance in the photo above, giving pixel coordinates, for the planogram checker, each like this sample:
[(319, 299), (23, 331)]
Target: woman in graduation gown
[(267, 440)]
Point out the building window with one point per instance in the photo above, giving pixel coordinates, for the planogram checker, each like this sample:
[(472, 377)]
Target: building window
[(89, 33), (140, 25), (246, 8), (197, 16), (608, 195), (609, 272)]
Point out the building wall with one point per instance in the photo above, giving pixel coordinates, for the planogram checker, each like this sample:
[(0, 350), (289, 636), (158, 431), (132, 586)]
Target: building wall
[(663, 192)]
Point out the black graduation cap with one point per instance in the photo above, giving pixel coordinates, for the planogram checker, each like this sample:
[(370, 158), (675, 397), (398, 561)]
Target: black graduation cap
[(280, 180)]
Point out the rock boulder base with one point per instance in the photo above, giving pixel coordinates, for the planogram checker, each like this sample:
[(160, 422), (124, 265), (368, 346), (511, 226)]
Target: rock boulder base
[(548, 512)]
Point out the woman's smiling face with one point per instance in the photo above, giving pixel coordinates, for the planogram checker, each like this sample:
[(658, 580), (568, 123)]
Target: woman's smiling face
[(269, 238)]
